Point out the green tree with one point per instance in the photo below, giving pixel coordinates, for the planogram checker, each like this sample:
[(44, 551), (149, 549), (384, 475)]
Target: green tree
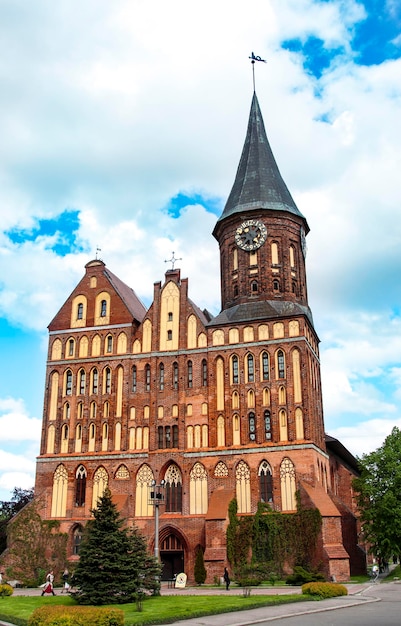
[(199, 569), (114, 565), (8, 509), (378, 492), (35, 545)]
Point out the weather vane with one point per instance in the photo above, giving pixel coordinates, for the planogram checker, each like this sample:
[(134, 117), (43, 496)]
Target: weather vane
[(97, 250), (172, 260), (254, 58)]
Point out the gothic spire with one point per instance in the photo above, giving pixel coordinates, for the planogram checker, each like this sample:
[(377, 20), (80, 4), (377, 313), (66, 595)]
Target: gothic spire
[(258, 183)]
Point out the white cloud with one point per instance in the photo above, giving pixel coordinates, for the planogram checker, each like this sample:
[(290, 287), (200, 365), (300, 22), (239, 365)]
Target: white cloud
[(15, 423), (365, 437)]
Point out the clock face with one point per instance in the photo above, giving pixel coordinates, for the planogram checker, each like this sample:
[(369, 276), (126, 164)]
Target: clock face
[(250, 235)]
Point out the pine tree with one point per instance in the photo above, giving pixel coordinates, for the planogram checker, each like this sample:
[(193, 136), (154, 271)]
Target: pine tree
[(114, 564), (199, 569)]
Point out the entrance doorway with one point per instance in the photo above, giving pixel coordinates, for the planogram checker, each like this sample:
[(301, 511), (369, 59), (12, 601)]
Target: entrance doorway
[(171, 557)]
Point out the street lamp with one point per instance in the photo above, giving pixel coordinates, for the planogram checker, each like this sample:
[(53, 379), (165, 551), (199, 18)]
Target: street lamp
[(156, 498)]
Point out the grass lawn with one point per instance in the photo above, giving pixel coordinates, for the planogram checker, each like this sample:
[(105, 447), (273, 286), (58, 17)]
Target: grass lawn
[(156, 610)]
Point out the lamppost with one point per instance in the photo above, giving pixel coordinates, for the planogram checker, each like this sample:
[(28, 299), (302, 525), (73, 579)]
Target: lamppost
[(156, 498)]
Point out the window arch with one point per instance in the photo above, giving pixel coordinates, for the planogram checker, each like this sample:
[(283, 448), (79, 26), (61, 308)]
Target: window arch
[(175, 375), (198, 490), (81, 381), (234, 370), (100, 483), (280, 364), (108, 344), (134, 378), (252, 426), (288, 487), (243, 487), (78, 438), (250, 368), (51, 435), (265, 365), (59, 494), (67, 411), (161, 376), (80, 486), (254, 286), (189, 374), (265, 482), (221, 434), (107, 380), (299, 424), (68, 383), (94, 381), (204, 373), (56, 350), (235, 400), (276, 285), (282, 416), (221, 470), (173, 487), (147, 377), (70, 348), (92, 437), (190, 437), (282, 396), (268, 425), (274, 253), (64, 439), (144, 478), (236, 430)]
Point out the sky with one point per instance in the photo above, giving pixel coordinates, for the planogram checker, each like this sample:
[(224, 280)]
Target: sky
[(122, 125)]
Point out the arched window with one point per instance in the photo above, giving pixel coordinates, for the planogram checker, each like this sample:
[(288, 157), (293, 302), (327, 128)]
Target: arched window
[(71, 347), (175, 375), (67, 411), (134, 378), (268, 425), (282, 396), (95, 380), (243, 487), (161, 376), (282, 416), (82, 380), (280, 364), (92, 438), (234, 370), (265, 366), (236, 430), (107, 380), (198, 490), (189, 374), (109, 344), (80, 486), (64, 438), (254, 286), (80, 311), (59, 495), (147, 377), (68, 383), (265, 482), (173, 489), (250, 363), (204, 373), (77, 539), (190, 437), (252, 426), (78, 438), (221, 431), (276, 285), (144, 479), (288, 486), (100, 482)]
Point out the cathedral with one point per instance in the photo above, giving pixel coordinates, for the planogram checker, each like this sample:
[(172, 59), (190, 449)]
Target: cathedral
[(177, 411)]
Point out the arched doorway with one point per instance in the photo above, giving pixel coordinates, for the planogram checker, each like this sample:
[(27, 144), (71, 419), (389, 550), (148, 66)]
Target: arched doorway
[(171, 556)]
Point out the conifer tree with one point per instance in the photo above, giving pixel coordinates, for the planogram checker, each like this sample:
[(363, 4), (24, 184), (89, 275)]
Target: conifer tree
[(114, 564), (199, 569)]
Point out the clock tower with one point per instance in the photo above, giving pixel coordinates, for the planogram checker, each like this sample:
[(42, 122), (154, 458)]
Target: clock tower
[(261, 232)]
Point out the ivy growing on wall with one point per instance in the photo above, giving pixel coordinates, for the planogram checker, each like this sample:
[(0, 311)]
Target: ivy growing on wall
[(272, 537)]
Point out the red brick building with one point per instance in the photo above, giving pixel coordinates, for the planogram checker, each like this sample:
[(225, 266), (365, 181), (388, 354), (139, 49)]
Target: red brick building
[(212, 407)]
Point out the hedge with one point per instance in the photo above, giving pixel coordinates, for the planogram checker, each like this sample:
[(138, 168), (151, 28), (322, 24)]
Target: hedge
[(324, 590), (76, 616), (6, 590)]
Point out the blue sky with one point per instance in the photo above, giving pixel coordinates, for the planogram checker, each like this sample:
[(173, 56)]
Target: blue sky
[(122, 126)]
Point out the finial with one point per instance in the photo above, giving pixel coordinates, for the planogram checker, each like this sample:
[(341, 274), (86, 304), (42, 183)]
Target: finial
[(172, 260), (254, 58), (97, 250)]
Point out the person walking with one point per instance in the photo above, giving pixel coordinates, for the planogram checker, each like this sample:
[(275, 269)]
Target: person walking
[(48, 586), (66, 576), (226, 577)]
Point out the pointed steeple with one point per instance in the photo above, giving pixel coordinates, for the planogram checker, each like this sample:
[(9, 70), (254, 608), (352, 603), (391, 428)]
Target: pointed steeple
[(258, 183)]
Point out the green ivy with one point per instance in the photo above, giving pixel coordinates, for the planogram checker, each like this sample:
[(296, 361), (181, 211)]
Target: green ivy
[(271, 537)]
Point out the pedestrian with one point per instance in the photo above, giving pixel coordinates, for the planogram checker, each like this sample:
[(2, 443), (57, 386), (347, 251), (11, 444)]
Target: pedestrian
[(226, 577), (48, 586), (66, 576), (375, 572)]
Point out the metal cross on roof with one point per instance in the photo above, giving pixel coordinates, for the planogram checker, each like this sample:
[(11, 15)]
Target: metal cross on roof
[(172, 260)]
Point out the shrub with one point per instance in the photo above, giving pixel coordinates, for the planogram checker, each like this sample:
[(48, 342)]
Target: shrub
[(301, 576), (6, 590), (324, 590), (76, 616)]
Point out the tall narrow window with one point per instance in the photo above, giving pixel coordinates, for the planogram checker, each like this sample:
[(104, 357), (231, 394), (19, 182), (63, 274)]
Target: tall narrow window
[(71, 344), (173, 489), (276, 285), (250, 368), (147, 377), (161, 376), (80, 311), (68, 383), (82, 378), (265, 366), (134, 378), (160, 438), (169, 335), (281, 364), (175, 436), (103, 308), (175, 375), (252, 426), (254, 286), (265, 482), (95, 381), (80, 486), (204, 373), (268, 425), (107, 380), (167, 436), (109, 343), (189, 374), (234, 368)]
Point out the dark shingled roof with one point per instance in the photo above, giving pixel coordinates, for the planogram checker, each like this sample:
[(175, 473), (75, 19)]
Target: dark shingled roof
[(269, 309), (338, 449), (258, 183), (127, 295)]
